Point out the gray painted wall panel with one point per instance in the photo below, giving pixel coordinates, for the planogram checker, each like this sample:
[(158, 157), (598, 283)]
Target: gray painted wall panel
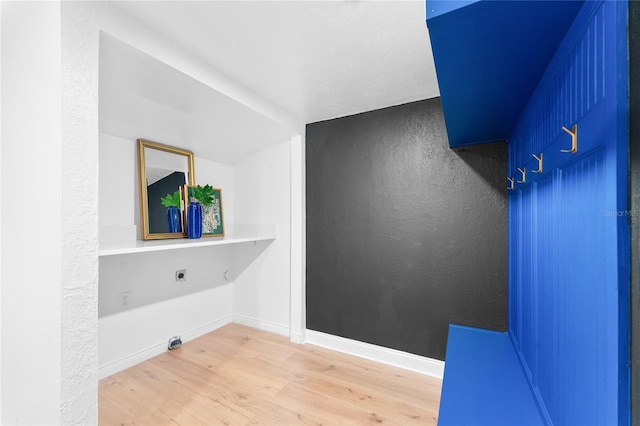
[(404, 235)]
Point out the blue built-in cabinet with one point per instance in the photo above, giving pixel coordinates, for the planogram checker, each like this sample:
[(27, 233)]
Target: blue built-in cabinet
[(489, 56), (569, 238), (568, 219)]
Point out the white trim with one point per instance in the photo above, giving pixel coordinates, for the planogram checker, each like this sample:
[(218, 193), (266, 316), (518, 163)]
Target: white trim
[(261, 325), (1, 7), (298, 338), (297, 311), (396, 358), (159, 348)]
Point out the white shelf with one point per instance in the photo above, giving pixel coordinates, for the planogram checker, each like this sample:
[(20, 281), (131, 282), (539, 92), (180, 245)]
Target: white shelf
[(235, 235)]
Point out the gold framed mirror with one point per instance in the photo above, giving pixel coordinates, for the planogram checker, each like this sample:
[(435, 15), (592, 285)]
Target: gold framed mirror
[(162, 170)]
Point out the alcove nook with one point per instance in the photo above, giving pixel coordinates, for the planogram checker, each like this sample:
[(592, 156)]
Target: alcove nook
[(242, 277)]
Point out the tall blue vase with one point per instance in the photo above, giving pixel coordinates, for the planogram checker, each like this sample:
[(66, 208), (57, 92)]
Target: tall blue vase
[(194, 220), (173, 219)]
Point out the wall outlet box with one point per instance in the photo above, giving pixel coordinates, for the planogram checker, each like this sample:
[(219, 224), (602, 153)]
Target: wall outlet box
[(175, 343), (124, 300)]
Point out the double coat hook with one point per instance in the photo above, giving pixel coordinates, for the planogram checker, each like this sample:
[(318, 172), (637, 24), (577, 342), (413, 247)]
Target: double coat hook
[(574, 139), (539, 163)]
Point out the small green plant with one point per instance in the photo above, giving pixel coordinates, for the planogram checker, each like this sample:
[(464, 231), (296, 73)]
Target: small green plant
[(171, 200), (203, 194)]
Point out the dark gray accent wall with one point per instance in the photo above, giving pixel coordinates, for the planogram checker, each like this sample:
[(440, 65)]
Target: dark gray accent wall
[(634, 145), (404, 235), (157, 212)]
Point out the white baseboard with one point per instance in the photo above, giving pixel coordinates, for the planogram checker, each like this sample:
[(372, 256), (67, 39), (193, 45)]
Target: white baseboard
[(297, 337), (396, 358), (261, 325), (159, 348)]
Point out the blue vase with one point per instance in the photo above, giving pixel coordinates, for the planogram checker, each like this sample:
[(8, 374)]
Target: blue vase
[(173, 219), (194, 220)]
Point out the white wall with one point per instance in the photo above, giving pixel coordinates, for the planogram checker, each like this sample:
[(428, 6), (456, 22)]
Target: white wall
[(136, 334), (1, 100), (118, 211), (262, 196), (221, 176), (79, 322), (298, 317), (49, 315), (150, 293), (32, 226), (258, 190), (158, 306)]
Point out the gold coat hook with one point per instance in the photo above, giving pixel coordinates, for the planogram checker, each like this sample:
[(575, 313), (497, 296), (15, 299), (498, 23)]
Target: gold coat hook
[(524, 175), (574, 139), (510, 185), (539, 163)]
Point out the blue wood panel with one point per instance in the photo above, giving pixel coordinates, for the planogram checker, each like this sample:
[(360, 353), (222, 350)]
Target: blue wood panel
[(566, 95), (484, 383), (545, 334), (514, 220), (589, 330), (568, 243), (526, 303)]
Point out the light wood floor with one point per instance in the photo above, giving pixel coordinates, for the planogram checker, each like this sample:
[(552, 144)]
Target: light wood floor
[(237, 375)]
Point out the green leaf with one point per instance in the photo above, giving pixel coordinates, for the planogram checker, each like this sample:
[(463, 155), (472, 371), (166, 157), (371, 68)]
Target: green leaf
[(171, 200), (204, 194)]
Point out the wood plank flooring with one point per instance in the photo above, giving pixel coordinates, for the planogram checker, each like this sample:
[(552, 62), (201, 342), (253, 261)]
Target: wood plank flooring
[(237, 375)]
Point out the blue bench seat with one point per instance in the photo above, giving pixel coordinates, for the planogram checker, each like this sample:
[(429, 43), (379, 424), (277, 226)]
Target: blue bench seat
[(484, 382)]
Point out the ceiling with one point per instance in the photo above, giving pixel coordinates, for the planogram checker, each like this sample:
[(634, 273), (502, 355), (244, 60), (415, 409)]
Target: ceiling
[(316, 60)]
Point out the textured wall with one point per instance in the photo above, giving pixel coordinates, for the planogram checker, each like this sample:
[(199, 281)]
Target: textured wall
[(404, 235), (79, 324)]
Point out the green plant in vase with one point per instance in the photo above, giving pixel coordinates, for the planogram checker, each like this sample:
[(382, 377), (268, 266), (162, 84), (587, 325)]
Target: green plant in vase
[(200, 198), (171, 200), (203, 194), (172, 203)]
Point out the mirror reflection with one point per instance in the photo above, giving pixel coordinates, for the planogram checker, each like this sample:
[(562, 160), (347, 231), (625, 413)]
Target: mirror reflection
[(164, 170)]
